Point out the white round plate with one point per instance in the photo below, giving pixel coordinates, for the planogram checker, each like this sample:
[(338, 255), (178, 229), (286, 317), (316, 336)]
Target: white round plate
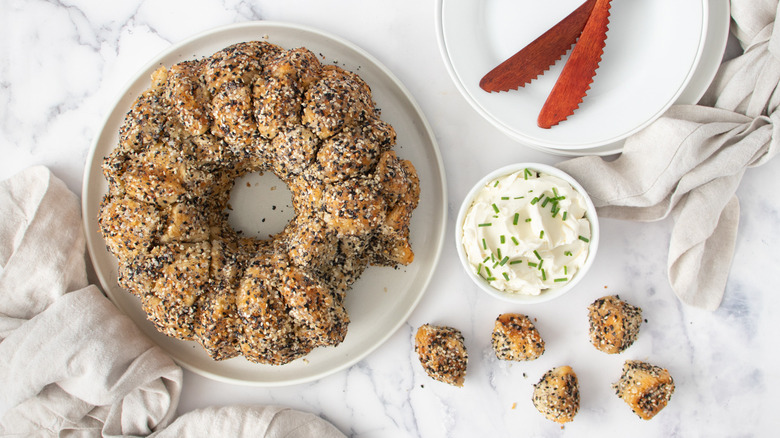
[(382, 299), (718, 22), (652, 52)]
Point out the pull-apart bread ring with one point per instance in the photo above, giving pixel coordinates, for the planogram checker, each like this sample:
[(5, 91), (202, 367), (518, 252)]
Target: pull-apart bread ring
[(254, 107)]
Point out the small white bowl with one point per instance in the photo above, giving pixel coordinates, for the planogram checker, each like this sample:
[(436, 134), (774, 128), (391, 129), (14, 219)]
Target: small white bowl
[(547, 294)]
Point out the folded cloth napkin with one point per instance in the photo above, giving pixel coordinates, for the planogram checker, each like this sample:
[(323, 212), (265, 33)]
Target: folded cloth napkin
[(689, 163), (70, 362), (245, 421)]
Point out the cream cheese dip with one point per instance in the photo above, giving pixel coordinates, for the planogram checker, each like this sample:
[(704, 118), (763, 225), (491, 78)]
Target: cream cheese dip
[(527, 232)]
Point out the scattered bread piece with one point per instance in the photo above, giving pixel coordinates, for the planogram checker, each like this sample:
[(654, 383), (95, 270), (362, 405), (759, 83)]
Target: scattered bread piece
[(645, 388), (557, 395), (442, 353), (614, 324), (516, 338)]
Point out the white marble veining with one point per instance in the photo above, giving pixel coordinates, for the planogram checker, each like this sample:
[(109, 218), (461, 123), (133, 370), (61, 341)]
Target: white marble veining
[(62, 64)]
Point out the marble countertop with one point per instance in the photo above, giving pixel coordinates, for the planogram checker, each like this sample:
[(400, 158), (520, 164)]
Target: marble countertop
[(63, 63)]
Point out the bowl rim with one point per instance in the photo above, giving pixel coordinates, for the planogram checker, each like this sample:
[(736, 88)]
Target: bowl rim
[(550, 293)]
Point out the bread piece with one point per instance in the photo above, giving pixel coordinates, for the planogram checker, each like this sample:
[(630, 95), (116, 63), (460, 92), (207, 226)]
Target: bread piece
[(254, 107), (516, 338), (614, 324), (557, 395), (442, 353), (645, 388)]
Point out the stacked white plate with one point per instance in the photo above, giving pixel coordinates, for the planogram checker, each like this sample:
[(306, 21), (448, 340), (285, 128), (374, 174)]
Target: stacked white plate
[(658, 53)]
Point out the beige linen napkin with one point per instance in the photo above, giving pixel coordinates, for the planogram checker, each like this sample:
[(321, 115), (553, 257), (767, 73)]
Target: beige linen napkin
[(70, 362), (688, 164), (246, 421)]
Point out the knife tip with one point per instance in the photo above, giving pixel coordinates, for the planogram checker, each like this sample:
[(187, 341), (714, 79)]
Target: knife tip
[(548, 119)]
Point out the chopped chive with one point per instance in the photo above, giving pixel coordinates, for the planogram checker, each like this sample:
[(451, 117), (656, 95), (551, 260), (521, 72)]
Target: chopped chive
[(565, 270), (505, 198), (491, 279), (546, 201), (486, 259), (526, 173), (540, 265), (495, 207), (495, 265), (484, 244), (515, 262), (528, 220), (506, 276), (544, 275), (504, 260), (514, 239), (496, 184), (541, 234), (499, 253), (486, 224), (555, 192), (536, 253), (490, 274), (492, 257), (584, 239), (567, 253), (534, 201), (564, 215), (517, 217), (479, 269), (503, 239), (558, 280), (532, 264), (519, 197)]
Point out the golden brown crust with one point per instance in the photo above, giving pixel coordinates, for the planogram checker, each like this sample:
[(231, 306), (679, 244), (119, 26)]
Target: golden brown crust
[(516, 338), (254, 107), (557, 394), (239, 62), (173, 320), (614, 324), (442, 353), (232, 113), (300, 65), (317, 307), (352, 207), (345, 155), (128, 225), (293, 150), (186, 93), (184, 222), (338, 100), (218, 326), (400, 189), (644, 387)]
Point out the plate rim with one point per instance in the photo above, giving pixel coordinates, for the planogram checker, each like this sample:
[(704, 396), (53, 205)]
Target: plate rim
[(720, 11), (268, 26)]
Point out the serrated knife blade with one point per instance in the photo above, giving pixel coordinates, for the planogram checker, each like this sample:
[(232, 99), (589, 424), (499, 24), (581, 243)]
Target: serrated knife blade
[(537, 57), (577, 75)]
